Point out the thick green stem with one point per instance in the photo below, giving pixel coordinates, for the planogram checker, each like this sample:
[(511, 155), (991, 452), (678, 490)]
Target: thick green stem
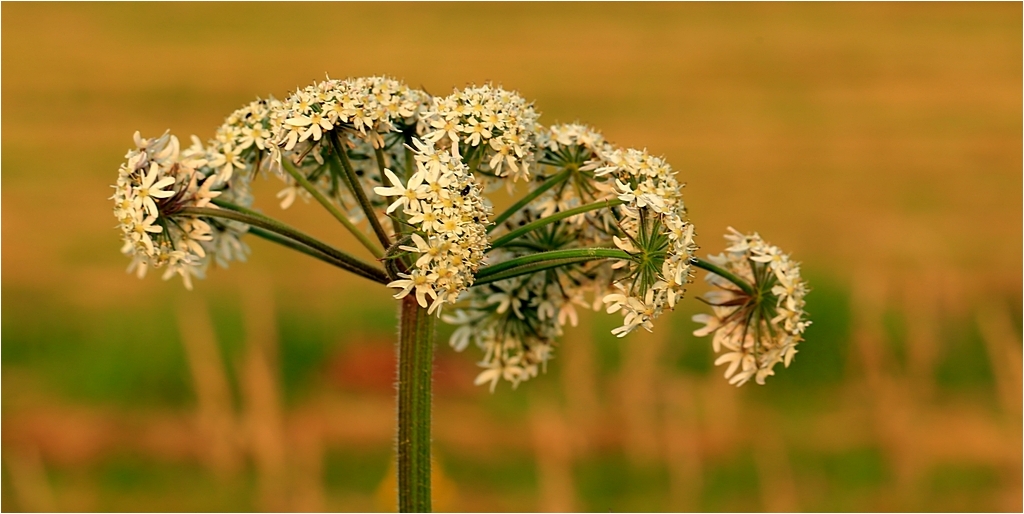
[(343, 259), (739, 282), (529, 227), (357, 188), (333, 209), (415, 367), (548, 184)]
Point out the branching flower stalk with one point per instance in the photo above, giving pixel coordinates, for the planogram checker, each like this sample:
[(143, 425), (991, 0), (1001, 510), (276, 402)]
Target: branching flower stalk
[(598, 227)]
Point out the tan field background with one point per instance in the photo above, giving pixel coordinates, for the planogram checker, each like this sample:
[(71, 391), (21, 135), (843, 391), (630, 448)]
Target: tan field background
[(879, 143)]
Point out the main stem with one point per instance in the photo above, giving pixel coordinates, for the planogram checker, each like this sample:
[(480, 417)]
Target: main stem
[(415, 367)]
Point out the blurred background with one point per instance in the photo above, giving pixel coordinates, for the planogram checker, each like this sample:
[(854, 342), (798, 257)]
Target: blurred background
[(881, 144)]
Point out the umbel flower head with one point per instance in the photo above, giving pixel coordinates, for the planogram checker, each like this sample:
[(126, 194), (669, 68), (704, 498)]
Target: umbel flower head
[(443, 205), (517, 320), (491, 127), (462, 143), (153, 187), (758, 313), (369, 106), (656, 233), (600, 226), (242, 144), (370, 119)]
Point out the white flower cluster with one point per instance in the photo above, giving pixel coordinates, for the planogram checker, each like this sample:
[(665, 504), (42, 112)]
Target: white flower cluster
[(495, 128), (242, 144), (152, 187), (758, 329), (628, 246), (375, 110), (570, 136), (443, 201), (516, 321), (576, 149), (240, 148), (657, 234), (369, 106)]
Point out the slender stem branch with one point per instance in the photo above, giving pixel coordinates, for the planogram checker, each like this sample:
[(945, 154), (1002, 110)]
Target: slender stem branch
[(554, 255), (410, 159), (378, 153), (297, 246), (529, 227), (548, 184), (333, 209), (357, 188), (530, 269), (529, 245), (235, 207), (739, 282), (344, 260), (415, 367), (472, 157)]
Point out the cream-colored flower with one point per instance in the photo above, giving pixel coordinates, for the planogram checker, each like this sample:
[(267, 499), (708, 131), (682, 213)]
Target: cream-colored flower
[(760, 324), (408, 196), (153, 186), (444, 204), (493, 126), (420, 281)]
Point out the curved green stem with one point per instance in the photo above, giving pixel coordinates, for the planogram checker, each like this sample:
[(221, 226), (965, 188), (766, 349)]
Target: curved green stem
[(530, 269), (297, 246), (529, 227), (357, 189), (410, 159), (415, 367), (378, 153), (333, 209), (345, 260), (548, 184), (739, 282), (553, 255), (235, 207), (529, 245)]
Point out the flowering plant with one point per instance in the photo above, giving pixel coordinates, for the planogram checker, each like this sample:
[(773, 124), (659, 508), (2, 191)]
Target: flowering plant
[(408, 175)]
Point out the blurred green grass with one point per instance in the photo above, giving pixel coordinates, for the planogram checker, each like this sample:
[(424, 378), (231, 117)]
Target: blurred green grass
[(93, 358)]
